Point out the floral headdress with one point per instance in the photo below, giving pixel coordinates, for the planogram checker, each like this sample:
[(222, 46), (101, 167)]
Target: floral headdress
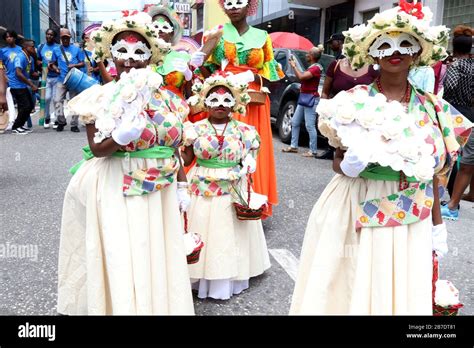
[(237, 87), (411, 18), (253, 6), (173, 17), (139, 22)]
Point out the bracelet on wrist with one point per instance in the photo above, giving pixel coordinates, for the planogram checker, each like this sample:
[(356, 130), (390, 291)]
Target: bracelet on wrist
[(182, 184)]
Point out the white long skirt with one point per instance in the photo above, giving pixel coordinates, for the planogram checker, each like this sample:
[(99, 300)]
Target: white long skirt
[(121, 255), (379, 271), (234, 250)]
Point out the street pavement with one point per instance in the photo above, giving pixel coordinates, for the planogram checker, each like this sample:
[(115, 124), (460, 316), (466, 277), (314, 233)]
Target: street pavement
[(34, 176)]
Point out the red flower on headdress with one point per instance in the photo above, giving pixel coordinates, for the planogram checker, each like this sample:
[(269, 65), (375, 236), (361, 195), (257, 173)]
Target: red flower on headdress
[(131, 39), (221, 73), (127, 13), (414, 9)]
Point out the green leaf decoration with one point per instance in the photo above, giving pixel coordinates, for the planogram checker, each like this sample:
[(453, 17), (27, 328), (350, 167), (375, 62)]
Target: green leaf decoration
[(446, 131)]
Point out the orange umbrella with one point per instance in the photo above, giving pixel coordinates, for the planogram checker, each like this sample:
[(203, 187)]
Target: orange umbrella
[(281, 39)]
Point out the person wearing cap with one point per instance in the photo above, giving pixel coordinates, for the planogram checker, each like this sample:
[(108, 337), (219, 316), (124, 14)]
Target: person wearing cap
[(335, 44), (45, 53), (375, 232), (65, 57)]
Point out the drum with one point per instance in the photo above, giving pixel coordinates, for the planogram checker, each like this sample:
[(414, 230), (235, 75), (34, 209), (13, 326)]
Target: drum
[(77, 81)]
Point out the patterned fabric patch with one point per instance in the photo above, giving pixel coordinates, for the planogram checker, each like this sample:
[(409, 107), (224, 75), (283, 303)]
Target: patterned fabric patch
[(402, 208), (145, 181)]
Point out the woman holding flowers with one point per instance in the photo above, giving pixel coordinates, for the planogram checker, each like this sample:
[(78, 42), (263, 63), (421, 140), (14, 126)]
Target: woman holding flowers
[(122, 250), (226, 150), (242, 48), (369, 239)]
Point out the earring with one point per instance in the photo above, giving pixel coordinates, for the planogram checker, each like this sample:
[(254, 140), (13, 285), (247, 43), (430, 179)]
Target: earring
[(376, 66)]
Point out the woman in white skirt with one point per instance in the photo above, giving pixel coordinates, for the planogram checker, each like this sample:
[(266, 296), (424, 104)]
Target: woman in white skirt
[(369, 239), (234, 250), (122, 250)]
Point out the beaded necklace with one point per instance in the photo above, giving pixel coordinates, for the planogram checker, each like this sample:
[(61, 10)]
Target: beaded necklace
[(220, 138), (406, 96)]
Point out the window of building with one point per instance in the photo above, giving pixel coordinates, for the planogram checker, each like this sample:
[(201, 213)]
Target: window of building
[(369, 14), (458, 12), (200, 18)]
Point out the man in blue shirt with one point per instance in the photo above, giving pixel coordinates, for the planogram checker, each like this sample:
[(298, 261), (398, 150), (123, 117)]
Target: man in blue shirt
[(9, 53), (66, 56), (19, 84), (45, 53)]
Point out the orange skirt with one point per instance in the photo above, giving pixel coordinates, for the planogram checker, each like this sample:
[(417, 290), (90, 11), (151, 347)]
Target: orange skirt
[(264, 179)]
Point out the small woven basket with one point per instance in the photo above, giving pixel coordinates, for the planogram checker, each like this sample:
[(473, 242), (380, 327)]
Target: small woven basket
[(257, 97), (245, 212), (438, 311), (194, 256)]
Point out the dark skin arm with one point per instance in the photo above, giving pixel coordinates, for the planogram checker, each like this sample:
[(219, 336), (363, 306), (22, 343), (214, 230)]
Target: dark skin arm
[(326, 87), (3, 90), (106, 77), (78, 65), (187, 155), (336, 163), (436, 210), (181, 173), (103, 149), (53, 66), (302, 76), (22, 78)]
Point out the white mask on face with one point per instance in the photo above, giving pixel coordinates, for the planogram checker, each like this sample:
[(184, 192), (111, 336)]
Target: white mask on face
[(238, 4), (163, 26), (215, 100), (125, 50), (401, 42)]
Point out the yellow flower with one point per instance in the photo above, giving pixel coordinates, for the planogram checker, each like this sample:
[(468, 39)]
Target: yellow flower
[(421, 123), (158, 187), (459, 120), (364, 219), (401, 215), (428, 203), (207, 193)]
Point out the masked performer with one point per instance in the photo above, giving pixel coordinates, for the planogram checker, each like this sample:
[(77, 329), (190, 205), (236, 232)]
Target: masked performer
[(122, 250), (369, 239), (225, 149)]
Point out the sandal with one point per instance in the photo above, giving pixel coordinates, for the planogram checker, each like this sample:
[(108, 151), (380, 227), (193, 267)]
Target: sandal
[(290, 149), (308, 154)]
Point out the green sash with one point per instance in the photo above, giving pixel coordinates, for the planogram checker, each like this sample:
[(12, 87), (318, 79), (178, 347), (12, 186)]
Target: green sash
[(151, 153), (376, 172), (216, 163)]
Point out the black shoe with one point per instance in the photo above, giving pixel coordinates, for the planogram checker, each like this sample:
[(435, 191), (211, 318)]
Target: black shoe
[(75, 129), (60, 128), (328, 154), (20, 131)]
